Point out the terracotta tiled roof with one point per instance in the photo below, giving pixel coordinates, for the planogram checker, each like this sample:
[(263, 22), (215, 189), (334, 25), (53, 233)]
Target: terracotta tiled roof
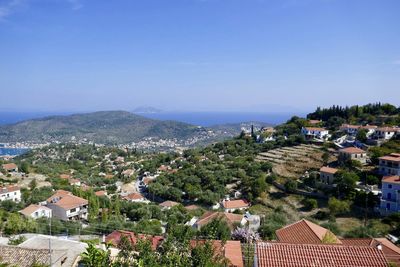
[(9, 189), (32, 208), (115, 237), (9, 166), (134, 196), (388, 129), (390, 250), (192, 207), (231, 250), (58, 194), (392, 157), (169, 204), (312, 255), (352, 150), (328, 170), (304, 232), (66, 200), (235, 204), (229, 218), (70, 202), (314, 121), (100, 193), (391, 179)]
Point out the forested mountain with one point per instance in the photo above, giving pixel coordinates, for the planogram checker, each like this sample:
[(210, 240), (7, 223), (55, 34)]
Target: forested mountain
[(108, 127)]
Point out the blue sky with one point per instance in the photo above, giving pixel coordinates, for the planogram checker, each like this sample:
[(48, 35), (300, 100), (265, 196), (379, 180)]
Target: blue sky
[(198, 55)]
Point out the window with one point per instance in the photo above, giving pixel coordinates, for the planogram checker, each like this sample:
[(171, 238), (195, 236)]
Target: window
[(388, 206), (389, 196), (72, 210), (389, 186)]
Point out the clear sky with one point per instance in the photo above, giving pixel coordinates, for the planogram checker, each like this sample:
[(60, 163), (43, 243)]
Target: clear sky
[(214, 55)]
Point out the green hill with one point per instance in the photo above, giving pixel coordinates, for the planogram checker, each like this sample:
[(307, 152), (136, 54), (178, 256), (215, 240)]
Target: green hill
[(106, 127)]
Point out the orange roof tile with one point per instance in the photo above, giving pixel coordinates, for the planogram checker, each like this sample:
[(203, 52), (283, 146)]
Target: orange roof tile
[(58, 194), (392, 157), (70, 201), (391, 179), (229, 218), (9, 189), (9, 166), (235, 204), (303, 232), (32, 208), (352, 150), (390, 250), (304, 255), (134, 196), (329, 170), (100, 193)]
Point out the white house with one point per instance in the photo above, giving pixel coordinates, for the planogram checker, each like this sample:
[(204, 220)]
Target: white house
[(135, 197), (10, 167), (327, 175), (232, 205), (390, 200), (390, 164), (36, 211), (315, 132), (353, 153), (386, 133), (65, 206), (353, 129), (10, 193)]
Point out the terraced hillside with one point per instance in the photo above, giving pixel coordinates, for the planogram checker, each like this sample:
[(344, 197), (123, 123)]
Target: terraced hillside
[(292, 162)]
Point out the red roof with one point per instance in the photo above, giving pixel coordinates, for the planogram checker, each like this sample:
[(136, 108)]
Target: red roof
[(101, 193), (134, 196), (390, 250), (391, 179), (229, 218), (231, 250), (352, 150), (9, 166), (312, 255), (115, 237), (9, 189), (328, 170), (304, 232), (392, 157), (235, 204)]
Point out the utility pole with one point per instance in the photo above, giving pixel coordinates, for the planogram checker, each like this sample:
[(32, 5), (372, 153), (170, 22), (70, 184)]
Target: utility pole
[(51, 263)]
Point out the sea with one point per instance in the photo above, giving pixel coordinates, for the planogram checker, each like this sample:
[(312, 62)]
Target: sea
[(207, 119), (6, 151)]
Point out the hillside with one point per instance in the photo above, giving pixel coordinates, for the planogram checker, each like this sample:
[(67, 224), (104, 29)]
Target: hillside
[(107, 127)]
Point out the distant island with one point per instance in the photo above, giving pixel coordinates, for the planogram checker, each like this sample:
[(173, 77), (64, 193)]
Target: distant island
[(117, 128), (146, 109)]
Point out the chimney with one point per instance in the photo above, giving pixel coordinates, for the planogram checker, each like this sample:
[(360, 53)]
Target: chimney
[(379, 247)]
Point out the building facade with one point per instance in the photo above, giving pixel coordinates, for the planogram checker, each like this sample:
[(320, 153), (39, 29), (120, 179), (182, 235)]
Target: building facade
[(10, 193), (390, 199), (390, 164)]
